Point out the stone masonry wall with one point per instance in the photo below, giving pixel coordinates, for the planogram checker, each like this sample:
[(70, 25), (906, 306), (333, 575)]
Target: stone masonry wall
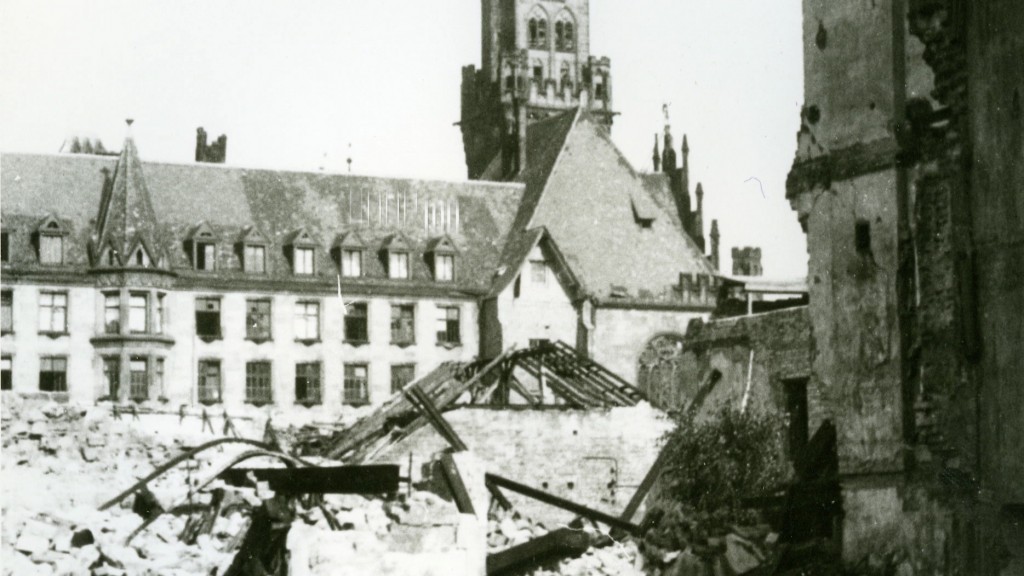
[(594, 457)]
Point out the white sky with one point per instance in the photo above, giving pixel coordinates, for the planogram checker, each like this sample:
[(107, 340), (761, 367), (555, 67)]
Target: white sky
[(292, 83)]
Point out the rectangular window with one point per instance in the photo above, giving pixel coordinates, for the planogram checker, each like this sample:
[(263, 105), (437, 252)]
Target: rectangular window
[(356, 385), (307, 321), (7, 311), (351, 263), (53, 312), (5, 248), (206, 256), (158, 376), (444, 267), (255, 259), (538, 272), (6, 380), (448, 325), (257, 320), (112, 377), (303, 260), (307, 383), (209, 381), (159, 314), (398, 265), (139, 384), (53, 374), (401, 375), (112, 313), (51, 249), (403, 323), (208, 317), (138, 310), (355, 323), (258, 388)]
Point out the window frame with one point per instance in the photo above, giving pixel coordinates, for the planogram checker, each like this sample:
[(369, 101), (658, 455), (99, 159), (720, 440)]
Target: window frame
[(302, 317), (539, 272), (248, 259), (60, 384), (406, 311), (220, 328), (133, 310), (351, 316), (258, 382), (346, 268), (307, 371), (51, 237), (303, 249), (63, 329), (112, 376), (138, 391), (351, 396), (399, 256), (444, 315), (442, 257), (250, 334), (403, 366), (112, 312), (6, 372), (203, 387), (7, 312)]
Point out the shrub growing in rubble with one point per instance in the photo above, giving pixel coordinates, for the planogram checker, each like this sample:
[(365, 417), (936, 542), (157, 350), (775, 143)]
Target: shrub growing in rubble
[(714, 462)]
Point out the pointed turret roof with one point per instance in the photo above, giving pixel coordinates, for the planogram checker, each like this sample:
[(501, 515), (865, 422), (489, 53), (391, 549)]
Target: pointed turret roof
[(126, 218)]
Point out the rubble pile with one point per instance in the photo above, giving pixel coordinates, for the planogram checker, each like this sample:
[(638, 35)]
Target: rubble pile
[(508, 528), (685, 543), (60, 463)]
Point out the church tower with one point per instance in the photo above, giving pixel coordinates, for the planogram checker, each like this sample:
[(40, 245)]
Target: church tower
[(535, 62)]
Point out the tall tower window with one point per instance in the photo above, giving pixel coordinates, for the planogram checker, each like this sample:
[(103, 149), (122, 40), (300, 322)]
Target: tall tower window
[(565, 33), (538, 32)]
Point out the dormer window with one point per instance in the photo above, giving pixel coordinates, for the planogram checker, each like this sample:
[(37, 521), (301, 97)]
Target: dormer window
[(398, 249), (348, 254), (302, 251), (203, 244), (50, 239), (441, 252), (253, 247), (141, 258)]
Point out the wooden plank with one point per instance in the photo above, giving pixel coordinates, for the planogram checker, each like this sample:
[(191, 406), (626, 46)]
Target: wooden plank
[(645, 486), (562, 503), (458, 488), (371, 479), (551, 547)]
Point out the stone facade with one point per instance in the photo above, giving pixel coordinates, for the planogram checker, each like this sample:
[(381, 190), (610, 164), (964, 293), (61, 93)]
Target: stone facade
[(907, 183)]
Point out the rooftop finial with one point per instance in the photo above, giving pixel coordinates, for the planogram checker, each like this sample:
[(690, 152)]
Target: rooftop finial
[(664, 110), (129, 121)]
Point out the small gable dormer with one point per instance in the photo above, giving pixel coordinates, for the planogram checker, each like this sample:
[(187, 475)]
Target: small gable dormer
[(140, 257), (348, 251), (49, 240), (396, 252), (300, 248), (442, 255), (252, 249), (201, 246)]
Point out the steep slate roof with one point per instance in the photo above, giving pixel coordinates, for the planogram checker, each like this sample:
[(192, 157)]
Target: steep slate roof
[(274, 203), (587, 195), (126, 218), (518, 250)]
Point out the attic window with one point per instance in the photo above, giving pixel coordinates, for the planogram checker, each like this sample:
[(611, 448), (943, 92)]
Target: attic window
[(862, 237), (141, 258), (51, 242), (398, 265), (302, 248), (619, 292), (348, 254), (442, 253), (204, 248), (253, 248), (5, 249)]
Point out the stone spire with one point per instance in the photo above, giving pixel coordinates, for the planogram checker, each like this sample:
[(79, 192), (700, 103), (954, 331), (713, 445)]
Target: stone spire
[(698, 217), (715, 238), (126, 220)]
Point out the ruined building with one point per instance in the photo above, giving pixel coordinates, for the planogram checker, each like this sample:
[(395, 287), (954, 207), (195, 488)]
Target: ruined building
[(908, 182), (130, 280)]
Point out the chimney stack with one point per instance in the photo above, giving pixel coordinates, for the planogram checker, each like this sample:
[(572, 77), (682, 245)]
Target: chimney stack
[(214, 153)]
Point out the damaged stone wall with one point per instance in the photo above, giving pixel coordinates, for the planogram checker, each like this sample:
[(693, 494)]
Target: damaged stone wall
[(780, 342), (907, 181), (594, 457)]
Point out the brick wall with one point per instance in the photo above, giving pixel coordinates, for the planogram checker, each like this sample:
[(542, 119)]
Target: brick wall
[(593, 457)]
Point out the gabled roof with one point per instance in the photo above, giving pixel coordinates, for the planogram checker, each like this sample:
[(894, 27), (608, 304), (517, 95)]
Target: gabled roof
[(518, 250), (126, 217), (442, 244), (582, 189)]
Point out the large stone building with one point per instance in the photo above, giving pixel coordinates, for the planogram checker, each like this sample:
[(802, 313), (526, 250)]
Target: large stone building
[(206, 284), (908, 182)]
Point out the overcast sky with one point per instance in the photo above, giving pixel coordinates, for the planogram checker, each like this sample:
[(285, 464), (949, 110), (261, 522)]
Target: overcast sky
[(294, 83)]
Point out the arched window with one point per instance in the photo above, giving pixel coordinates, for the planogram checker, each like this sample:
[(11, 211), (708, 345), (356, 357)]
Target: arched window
[(538, 28), (533, 32), (565, 32)]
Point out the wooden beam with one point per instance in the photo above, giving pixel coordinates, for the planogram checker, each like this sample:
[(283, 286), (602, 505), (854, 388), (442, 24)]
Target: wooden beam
[(371, 479), (553, 546)]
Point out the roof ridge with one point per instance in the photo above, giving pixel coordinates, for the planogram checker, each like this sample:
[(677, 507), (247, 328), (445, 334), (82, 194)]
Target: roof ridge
[(558, 160)]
